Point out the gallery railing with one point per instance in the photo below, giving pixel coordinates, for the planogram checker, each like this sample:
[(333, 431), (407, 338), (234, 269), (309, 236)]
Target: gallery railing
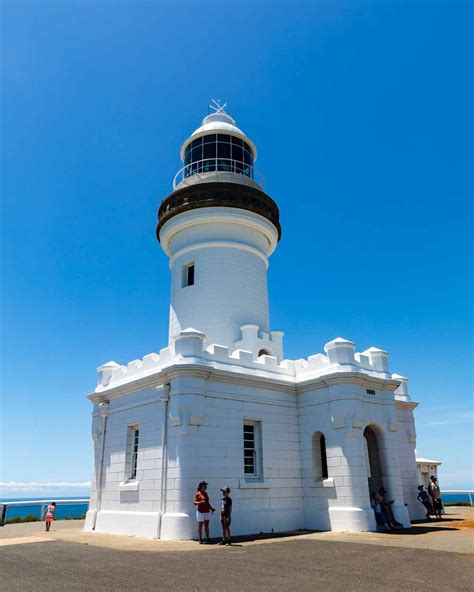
[(208, 166)]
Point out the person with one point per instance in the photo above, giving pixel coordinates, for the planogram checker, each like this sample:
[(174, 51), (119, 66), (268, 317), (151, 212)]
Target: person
[(203, 511), (381, 517), (424, 498), (435, 493), (50, 515), (226, 516), (387, 506)]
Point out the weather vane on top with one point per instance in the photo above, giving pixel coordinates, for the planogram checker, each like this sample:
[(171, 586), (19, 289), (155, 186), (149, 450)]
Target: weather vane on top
[(216, 106)]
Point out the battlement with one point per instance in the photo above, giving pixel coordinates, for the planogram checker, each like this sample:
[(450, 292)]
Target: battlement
[(189, 348)]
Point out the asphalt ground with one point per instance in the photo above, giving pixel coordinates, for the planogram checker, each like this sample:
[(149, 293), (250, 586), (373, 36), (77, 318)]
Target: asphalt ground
[(300, 565)]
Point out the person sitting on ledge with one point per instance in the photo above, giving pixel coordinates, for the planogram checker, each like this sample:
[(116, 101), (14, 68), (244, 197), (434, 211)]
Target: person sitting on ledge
[(424, 498), (387, 506), (381, 518)]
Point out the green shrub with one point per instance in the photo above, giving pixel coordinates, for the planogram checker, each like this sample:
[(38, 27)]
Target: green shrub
[(18, 519), (457, 504), (81, 517)]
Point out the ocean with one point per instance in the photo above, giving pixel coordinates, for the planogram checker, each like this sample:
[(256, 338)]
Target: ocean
[(77, 510), (62, 511)]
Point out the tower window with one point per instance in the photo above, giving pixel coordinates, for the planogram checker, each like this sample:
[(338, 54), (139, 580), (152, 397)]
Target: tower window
[(188, 275), (252, 449), (320, 462), (132, 451)]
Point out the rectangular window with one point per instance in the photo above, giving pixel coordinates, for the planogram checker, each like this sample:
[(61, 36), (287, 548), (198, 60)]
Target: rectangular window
[(252, 449), (132, 451), (188, 275)]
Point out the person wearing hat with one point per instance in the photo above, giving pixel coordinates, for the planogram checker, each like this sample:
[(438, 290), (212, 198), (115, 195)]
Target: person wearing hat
[(424, 498), (203, 511), (435, 492), (226, 516)]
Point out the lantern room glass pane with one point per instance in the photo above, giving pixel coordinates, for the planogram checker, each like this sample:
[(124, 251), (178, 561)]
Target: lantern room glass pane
[(209, 151), (236, 141), (223, 150), (237, 153), (196, 154)]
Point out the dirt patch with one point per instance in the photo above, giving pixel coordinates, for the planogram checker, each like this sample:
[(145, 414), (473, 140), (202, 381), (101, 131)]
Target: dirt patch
[(466, 524)]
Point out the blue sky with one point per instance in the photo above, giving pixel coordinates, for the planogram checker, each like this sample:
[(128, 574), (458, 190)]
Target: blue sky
[(361, 112)]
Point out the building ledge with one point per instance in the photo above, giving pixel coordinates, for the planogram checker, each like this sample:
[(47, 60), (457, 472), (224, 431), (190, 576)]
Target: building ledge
[(129, 485), (253, 484), (329, 482)]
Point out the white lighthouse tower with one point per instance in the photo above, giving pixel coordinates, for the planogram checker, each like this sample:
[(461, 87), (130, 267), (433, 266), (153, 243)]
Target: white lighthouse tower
[(219, 228), (301, 443)]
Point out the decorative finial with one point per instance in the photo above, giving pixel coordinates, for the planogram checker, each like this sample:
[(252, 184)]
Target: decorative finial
[(216, 106)]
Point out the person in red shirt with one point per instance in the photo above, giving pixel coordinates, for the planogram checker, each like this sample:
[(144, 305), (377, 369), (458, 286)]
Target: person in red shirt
[(203, 510)]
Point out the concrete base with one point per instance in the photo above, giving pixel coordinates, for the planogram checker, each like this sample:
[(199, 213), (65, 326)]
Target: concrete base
[(143, 524), (401, 514), (345, 519), (177, 527), (90, 518)]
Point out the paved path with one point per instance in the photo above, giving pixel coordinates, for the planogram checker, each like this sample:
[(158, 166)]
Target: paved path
[(454, 534), (440, 552), (294, 565)]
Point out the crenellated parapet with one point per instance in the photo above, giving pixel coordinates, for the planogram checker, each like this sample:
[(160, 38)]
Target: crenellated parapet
[(190, 348), (260, 343)]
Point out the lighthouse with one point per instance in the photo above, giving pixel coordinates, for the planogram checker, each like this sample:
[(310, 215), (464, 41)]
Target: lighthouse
[(219, 228), (301, 443)]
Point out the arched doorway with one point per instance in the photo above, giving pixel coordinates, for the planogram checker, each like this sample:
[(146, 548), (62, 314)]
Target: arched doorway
[(374, 467)]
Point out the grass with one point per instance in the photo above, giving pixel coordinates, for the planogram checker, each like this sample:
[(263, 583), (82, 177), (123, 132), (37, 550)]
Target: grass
[(33, 518), (18, 519)]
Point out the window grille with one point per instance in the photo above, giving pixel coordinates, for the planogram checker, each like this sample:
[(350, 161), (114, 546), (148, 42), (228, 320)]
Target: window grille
[(252, 449), (132, 451)]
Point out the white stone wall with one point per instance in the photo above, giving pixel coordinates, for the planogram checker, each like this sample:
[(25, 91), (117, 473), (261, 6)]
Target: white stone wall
[(229, 248), (213, 451), (205, 442), (408, 469), (230, 290), (211, 393), (124, 510)]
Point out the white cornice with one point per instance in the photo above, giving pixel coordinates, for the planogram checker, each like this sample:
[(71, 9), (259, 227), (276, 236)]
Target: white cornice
[(216, 215), (219, 244), (405, 405), (277, 382)]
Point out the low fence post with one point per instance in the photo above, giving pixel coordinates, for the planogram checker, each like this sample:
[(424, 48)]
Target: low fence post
[(3, 514)]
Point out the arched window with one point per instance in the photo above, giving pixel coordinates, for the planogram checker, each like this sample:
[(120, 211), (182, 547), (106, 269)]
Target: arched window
[(320, 461), (263, 352)]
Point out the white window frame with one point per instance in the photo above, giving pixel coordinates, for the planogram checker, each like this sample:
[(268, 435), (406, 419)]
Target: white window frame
[(257, 473), (131, 457)]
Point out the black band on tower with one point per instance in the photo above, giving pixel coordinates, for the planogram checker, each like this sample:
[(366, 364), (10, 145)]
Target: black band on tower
[(217, 194)]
